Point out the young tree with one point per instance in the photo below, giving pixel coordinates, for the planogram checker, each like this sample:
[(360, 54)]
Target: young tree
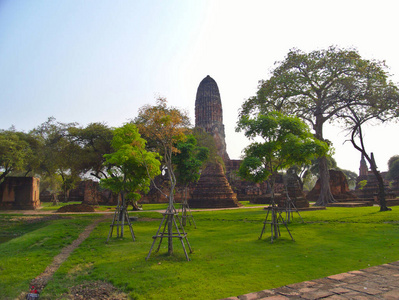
[(130, 167), (163, 127), (286, 141), (130, 163), (188, 161), (316, 86)]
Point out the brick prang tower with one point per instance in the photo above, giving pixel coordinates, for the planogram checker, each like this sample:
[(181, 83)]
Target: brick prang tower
[(209, 114)]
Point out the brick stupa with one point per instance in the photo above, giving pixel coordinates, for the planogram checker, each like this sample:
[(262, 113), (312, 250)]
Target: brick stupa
[(213, 189)]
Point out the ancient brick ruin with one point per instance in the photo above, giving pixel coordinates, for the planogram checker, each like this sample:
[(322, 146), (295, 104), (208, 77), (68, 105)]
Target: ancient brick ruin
[(213, 190), (369, 191), (19, 193), (209, 114), (339, 188)]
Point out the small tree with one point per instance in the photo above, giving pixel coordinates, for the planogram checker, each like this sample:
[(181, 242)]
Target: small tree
[(286, 141), (164, 127), (188, 162), (130, 167)]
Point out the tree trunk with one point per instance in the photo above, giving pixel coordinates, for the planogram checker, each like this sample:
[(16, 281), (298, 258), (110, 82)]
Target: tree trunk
[(381, 189), (170, 209), (325, 196), (274, 212)]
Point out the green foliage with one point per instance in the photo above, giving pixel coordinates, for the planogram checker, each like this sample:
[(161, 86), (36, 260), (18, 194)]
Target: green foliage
[(287, 141), (325, 85), (350, 177), (14, 152), (393, 168), (188, 160), (95, 141), (130, 166), (362, 184), (59, 155)]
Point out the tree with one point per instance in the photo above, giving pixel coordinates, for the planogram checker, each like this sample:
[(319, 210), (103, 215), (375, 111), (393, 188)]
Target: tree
[(163, 127), (14, 152), (130, 167), (60, 155), (95, 140), (188, 161), (316, 86), (354, 119), (286, 141), (393, 168)]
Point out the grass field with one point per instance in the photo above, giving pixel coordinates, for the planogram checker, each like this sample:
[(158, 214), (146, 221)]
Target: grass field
[(228, 258)]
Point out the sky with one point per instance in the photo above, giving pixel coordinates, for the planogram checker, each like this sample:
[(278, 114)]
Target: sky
[(90, 61)]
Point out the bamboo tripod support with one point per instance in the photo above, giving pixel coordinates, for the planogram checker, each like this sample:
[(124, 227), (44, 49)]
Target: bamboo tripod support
[(275, 222), (169, 224), (119, 219), (186, 214), (290, 208)]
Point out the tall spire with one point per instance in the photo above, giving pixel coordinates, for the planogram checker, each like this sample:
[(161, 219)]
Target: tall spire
[(209, 113)]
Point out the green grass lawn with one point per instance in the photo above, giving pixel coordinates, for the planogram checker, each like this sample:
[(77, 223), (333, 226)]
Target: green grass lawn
[(228, 259)]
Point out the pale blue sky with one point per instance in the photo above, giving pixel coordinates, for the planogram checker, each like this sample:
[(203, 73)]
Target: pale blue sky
[(99, 61)]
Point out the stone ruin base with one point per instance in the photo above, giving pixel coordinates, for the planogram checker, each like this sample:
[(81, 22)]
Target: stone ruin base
[(213, 190)]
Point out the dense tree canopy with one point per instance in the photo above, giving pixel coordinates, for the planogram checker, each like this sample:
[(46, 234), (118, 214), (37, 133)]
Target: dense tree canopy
[(317, 86), (393, 168), (14, 152), (130, 167), (95, 141), (284, 142)]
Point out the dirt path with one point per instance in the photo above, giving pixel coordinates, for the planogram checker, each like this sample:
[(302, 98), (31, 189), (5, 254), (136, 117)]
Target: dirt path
[(41, 281)]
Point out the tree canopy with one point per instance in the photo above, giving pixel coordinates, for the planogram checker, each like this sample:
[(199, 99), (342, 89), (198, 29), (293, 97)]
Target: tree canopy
[(163, 127), (130, 166), (393, 167), (285, 141), (14, 152), (319, 85)]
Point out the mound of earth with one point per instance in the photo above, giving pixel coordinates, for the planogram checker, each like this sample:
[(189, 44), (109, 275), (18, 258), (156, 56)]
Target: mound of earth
[(95, 290), (76, 208)]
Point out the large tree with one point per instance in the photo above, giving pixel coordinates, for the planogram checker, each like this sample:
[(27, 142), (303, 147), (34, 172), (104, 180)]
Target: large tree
[(95, 141), (61, 156), (14, 152), (313, 85)]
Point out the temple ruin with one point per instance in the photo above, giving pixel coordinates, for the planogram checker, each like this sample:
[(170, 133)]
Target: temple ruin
[(19, 193), (209, 114), (213, 189)]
